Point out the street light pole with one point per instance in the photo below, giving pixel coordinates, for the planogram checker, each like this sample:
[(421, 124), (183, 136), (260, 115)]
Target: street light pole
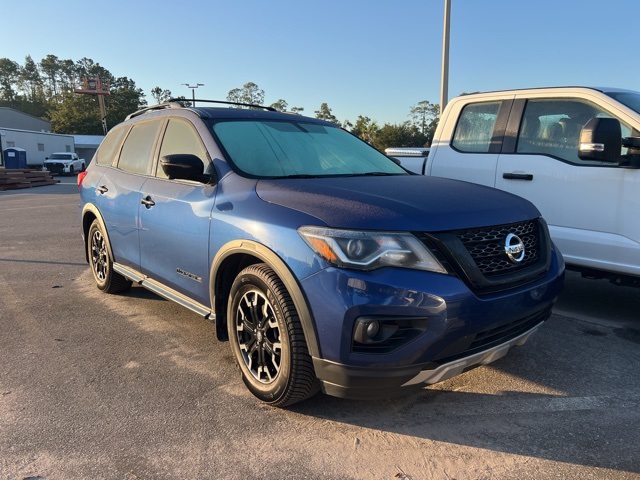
[(193, 90), (444, 86)]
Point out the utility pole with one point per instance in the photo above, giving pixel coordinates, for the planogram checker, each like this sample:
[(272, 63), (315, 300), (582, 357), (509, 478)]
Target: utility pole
[(444, 86), (193, 91)]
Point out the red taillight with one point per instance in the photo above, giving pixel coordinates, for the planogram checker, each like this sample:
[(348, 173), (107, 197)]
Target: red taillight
[(81, 176)]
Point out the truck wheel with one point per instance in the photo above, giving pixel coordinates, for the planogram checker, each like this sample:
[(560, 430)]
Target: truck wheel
[(101, 262), (71, 170), (267, 340), (83, 168)]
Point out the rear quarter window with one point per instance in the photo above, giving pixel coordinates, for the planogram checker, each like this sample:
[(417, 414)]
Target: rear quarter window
[(110, 146)]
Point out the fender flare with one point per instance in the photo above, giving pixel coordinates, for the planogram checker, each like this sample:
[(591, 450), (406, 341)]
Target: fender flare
[(90, 208), (268, 256)]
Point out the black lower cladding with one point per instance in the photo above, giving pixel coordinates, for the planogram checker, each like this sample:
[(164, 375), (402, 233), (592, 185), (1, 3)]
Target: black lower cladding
[(478, 256)]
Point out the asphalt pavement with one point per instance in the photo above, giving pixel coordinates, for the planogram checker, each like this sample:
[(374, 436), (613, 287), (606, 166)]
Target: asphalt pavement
[(132, 386)]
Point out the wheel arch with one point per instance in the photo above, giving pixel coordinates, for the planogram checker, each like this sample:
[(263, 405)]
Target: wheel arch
[(89, 214), (239, 254)]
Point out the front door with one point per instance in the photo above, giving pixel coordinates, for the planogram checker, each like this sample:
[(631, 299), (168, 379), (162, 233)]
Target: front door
[(591, 207), (175, 216)]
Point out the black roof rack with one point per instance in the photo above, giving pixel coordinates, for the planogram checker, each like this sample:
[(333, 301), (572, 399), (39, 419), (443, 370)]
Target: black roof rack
[(178, 103), (250, 105), (172, 103)]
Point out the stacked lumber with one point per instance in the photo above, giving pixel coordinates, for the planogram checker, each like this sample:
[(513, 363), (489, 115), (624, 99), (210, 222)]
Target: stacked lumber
[(23, 178)]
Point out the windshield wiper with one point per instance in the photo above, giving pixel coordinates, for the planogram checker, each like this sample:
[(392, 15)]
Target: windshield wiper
[(371, 174), (301, 175)]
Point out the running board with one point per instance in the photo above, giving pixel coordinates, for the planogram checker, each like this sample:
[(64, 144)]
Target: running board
[(164, 291)]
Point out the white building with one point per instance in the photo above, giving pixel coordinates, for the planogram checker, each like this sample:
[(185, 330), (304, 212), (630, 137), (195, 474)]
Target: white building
[(21, 130)]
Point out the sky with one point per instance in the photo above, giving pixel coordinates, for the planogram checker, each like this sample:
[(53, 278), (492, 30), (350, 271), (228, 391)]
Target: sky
[(375, 58)]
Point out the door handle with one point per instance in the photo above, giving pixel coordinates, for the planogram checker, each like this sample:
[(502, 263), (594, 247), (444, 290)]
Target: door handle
[(102, 189), (147, 201), (518, 176)]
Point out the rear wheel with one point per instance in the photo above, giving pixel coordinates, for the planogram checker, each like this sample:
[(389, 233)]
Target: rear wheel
[(101, 262), (267, 340)]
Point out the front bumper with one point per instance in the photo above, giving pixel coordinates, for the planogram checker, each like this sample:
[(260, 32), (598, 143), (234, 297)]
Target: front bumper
[(455, 329), (346, 381)]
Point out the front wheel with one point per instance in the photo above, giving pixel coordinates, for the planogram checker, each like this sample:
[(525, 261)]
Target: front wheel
[(106, 278), (267, 340)]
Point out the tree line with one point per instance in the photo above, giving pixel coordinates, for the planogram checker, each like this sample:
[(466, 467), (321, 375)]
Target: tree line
[(45, 89)]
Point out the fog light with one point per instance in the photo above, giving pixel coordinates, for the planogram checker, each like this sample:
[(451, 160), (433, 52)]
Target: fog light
[(372, 329)]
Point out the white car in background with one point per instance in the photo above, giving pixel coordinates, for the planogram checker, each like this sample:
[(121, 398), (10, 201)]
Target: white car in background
[(64, 162)]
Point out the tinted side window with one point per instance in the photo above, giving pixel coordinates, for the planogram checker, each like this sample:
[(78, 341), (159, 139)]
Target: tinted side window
[(552, 127), (475, 127), (136, 152), (181, 137), (109, 147)]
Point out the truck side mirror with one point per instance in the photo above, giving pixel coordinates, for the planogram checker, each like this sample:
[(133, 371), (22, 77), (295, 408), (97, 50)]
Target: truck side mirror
[(601, 139)]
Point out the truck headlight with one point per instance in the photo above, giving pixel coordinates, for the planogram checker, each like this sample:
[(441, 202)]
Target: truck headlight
[(366, 250)]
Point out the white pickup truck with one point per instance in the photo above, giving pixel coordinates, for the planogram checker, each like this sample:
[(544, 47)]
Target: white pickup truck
[(573, 151), (64, 162)]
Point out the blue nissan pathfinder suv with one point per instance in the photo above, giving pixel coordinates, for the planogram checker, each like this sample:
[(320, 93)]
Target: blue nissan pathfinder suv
[(325, 264)]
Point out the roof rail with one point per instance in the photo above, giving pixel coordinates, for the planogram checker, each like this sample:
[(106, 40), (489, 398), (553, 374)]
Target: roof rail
[(169, 104), (250, 105)]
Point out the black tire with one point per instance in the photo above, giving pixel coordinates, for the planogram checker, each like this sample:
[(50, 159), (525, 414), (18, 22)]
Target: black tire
[(101, 262), (267, 340), (71, 170), (83, 168)]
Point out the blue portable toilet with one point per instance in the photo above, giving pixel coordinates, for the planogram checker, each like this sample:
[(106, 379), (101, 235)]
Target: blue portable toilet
[(15, 158)]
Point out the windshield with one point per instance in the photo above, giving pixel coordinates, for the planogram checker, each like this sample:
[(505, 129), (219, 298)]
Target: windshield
[(271, 148), (630, 99), (60, 156)]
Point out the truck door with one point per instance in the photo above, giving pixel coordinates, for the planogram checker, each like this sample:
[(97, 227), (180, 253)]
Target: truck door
[(474, 142), (590, 206)]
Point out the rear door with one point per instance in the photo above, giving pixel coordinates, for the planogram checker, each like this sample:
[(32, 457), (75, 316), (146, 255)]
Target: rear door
[(590, 206), (118, 192)]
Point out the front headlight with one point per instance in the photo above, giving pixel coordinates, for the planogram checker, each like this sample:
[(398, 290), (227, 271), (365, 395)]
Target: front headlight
[(365, 250)]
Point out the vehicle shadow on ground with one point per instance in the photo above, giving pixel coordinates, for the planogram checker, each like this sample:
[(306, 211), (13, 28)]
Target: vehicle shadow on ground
[(72, 264), (599, 301), (563, 406)]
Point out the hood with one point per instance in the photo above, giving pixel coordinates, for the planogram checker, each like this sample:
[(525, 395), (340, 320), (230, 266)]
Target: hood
[(397, 203)]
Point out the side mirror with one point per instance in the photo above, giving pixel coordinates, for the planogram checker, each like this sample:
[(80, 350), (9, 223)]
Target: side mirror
[(184, 166), (601, 139)]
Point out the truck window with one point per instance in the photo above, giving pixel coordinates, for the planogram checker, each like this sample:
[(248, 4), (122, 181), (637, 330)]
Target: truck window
[(552, 127), (475, 127)]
